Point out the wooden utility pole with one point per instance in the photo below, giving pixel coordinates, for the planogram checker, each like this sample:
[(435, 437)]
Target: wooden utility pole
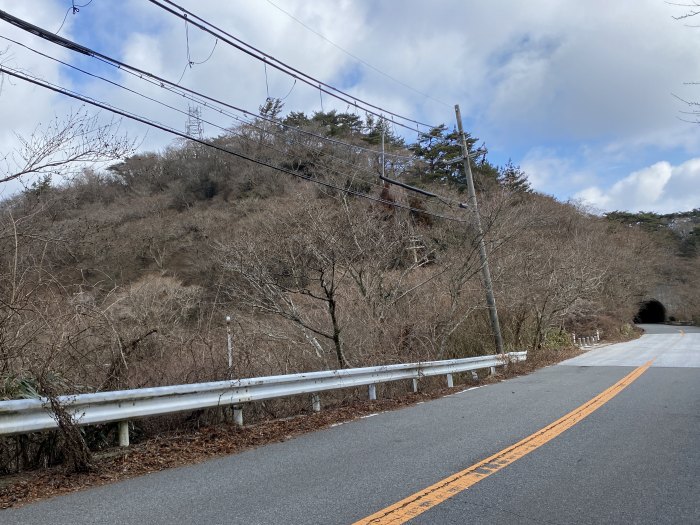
[(486, 274)]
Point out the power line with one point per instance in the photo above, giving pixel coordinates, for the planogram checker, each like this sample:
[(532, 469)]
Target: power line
[(65, 17), (160, 81), (355, 57), (252, 51), (75, 9), (179, 90), (189, 56), (191, 62), (197, 128), (103, 105)]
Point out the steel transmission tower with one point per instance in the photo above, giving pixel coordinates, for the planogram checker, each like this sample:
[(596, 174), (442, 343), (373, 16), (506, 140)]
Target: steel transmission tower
[(193, 127)]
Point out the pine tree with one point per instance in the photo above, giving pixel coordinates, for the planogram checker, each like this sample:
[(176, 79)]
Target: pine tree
[(513, 178)]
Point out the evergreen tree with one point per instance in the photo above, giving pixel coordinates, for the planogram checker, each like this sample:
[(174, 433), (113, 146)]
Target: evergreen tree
[(296, 119), (271, 108), (40, 186), (376, 127), (438, 146), (434, 148), (336, 124), (513, 178)]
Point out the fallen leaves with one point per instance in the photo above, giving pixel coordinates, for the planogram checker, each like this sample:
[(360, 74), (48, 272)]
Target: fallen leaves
[(179, 448)]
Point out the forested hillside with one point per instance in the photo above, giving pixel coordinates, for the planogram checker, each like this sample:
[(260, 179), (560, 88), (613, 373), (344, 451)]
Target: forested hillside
[(122, 278), (683, 227)]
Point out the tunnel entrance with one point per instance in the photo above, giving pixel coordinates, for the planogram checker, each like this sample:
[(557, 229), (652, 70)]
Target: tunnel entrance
[(651, 312)]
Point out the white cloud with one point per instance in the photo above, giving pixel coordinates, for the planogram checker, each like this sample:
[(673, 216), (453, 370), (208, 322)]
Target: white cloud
[(661, 187), (548, 171), (590, 70), (550, 77)]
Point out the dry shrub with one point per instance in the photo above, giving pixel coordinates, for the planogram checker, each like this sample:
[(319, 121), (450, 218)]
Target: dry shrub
[(123, 280)]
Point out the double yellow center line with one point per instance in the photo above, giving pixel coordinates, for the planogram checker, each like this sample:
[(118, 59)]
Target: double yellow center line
[(432, 496)]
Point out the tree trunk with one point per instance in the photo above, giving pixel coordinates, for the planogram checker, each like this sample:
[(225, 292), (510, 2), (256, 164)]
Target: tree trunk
[(342, 362)]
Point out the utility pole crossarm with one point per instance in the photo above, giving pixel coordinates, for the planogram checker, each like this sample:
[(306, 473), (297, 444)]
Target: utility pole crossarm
[(486, 274), (472, 155)]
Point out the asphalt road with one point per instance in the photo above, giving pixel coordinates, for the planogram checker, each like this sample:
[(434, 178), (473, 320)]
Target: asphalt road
[(636, 459)]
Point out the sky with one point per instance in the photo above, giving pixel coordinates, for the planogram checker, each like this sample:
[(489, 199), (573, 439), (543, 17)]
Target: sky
[(584, 96)]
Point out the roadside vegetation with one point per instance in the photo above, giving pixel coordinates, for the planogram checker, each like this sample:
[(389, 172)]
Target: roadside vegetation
[(122, 277)]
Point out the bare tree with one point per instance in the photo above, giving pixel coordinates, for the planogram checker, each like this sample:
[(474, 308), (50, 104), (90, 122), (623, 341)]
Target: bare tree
[(65, 146), (693, 9), (292, 270)]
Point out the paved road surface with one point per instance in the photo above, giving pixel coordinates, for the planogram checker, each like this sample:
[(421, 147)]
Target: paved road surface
[(636, 459), (662, 342)]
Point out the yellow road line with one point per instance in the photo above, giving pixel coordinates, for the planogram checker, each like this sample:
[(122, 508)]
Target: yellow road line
[(432, 496)]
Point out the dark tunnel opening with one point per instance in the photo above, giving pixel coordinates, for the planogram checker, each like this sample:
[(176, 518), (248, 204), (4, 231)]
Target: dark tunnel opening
[(651, 312)]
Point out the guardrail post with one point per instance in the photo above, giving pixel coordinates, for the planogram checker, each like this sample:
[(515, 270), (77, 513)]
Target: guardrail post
[(123, 433), (450, 382), (475, 376), (315, 403), (492, 371), (238, 415), (372, 392), (415, 385), (597, 334)]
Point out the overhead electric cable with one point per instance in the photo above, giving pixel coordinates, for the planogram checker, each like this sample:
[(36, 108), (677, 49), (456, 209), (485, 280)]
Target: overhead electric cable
[(290, 91), (103, 105), (267, 131), (191, 62), (189, 56), (243, 136), (75, 9), (252, 51), (355, 57), (162, 82)]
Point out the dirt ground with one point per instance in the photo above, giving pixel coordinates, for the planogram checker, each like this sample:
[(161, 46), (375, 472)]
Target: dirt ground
[(187, 447)]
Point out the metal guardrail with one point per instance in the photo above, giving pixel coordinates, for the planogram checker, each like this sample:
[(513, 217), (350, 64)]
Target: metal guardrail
[(585, 342), (22, 416)]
